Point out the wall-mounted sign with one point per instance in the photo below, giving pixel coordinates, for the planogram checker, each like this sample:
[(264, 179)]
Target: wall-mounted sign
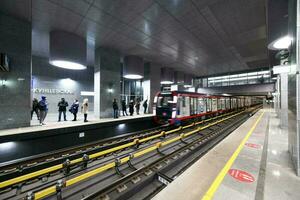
[(51, 91)]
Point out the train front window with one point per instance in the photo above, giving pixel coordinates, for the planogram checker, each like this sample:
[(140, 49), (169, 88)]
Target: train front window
[(163, 101)]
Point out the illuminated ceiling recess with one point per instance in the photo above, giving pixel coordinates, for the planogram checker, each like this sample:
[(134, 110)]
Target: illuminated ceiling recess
[(280, 43), (67, 50), (167, 76), (133, 67)]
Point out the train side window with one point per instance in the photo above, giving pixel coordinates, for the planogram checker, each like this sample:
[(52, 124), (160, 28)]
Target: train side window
[(163, 101)]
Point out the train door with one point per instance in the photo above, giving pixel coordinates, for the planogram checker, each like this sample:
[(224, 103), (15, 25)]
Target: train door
[(201, 105), (227, 99), (233, 103), (223, 104), (214, 104), (178, 106), (193, 106), (218, 104), (208, 104), (185, 106)]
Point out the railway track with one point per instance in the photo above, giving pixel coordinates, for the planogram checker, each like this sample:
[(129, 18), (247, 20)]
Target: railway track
[(78, 177)]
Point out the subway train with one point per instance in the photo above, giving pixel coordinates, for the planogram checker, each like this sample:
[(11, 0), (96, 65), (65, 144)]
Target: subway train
[(176, 107)]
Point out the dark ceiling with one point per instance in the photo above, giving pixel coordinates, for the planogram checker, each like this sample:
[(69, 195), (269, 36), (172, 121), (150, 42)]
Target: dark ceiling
[(203, 37)]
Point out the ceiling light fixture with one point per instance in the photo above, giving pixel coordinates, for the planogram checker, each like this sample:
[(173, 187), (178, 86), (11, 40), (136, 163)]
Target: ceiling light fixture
[(166, 82), (281, 43), (133, 76), (67, 64)]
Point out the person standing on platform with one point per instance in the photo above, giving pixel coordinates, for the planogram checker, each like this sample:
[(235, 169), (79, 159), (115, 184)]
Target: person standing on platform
[(131, 107), (74, 109), (145, 105), (43, 107), (137, 106), (115, 108), (35, 108), (124, 108), (85, 109), (62, 108)]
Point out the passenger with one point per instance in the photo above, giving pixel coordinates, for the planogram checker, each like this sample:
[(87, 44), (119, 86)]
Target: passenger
[(137, 106), (85, 109), (115, 108), (43, 107), (62, 108), (131, 107), (74, 109), (35, 108), (124, 108), (145, 105)]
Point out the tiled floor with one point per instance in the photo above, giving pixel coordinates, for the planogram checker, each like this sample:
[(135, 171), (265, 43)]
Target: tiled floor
[(262, 170)]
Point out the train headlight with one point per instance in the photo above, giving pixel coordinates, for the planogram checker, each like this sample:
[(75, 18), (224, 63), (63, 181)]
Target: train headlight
[(173, 114)]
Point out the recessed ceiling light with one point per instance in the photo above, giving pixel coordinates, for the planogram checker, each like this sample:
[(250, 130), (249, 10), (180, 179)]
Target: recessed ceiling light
[(166, 82), (67, 64), (281, 43), (133, 76)]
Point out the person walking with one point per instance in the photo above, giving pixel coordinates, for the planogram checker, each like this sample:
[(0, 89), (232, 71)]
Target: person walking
[(131, 107), (62, 108), (115, 108), (74, 109), (43, 107), (145, 105), (35, 108), (124, 108), (85, 109), (137, 106)]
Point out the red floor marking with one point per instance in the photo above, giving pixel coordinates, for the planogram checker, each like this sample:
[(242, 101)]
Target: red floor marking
[(241, 175), (256, 146)]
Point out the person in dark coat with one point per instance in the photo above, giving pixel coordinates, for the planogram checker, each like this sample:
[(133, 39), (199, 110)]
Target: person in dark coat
[(131, 107), (43, 107), (74, 109), (137, 106), (115, 108), (62, 107), (124, 108), (35, 108), (145, 105)]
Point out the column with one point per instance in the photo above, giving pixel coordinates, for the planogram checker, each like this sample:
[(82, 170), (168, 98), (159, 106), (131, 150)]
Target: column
[(152, 80), (15, 85), (107, 79), (284, 100)]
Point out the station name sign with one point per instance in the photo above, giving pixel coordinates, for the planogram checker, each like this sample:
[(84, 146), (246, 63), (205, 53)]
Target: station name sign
[(51, 91)]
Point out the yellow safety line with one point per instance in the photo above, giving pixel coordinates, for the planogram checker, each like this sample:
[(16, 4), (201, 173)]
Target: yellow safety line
[(218, 180)]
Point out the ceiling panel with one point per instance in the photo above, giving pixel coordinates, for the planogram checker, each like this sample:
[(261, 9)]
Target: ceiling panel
[(207, 36)]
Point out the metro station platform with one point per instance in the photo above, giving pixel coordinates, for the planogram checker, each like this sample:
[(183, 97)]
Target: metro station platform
[(251, 163), (51, 123), (22, 143)]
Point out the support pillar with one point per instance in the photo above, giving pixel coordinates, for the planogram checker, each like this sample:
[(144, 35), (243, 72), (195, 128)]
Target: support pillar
[(15, 85), (284, 100), (107, 79), (152, 78)]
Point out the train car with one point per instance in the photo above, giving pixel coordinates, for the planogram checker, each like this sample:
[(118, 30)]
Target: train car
[(171, 106)]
